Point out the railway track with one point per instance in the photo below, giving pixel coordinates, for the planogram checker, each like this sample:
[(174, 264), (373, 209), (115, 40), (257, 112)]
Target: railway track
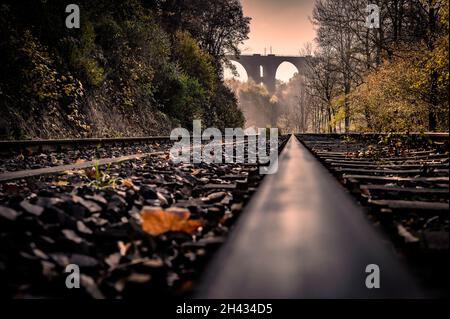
[(29, 146), (403, 183), (89, 212), (296, 234), (303, 236), (26, 158), (40, 154)]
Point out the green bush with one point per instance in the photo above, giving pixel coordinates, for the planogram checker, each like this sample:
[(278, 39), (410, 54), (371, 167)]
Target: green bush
[(193, 60), (82, 56), (226, 108)]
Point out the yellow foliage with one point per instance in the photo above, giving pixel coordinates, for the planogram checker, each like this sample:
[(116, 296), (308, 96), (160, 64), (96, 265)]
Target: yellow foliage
[(397, 95)]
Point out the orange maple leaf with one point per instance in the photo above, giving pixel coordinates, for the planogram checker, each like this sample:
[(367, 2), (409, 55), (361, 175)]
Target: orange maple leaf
[(157, 221)]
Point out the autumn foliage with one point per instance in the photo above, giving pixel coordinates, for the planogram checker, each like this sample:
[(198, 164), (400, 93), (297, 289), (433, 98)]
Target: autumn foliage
[(134, 67), (386, 79)]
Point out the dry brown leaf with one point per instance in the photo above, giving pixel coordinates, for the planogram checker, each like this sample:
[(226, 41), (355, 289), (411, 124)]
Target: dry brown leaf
[(80, 161), (91, 173), (157, 221), (60, 183), (123, 248), (195, 172), (127, 183), (165, 156)]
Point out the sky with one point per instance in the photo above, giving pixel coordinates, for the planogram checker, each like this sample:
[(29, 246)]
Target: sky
[(283, 25)]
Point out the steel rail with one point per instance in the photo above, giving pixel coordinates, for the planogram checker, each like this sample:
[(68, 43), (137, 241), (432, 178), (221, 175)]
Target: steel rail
[(303, 236), (10, 176), (430, 135), (8, 143)]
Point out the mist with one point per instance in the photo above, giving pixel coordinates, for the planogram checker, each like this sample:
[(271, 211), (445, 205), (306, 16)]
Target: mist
[(286, 109)]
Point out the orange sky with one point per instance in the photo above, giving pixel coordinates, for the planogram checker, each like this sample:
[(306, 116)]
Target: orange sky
[(282, 24)]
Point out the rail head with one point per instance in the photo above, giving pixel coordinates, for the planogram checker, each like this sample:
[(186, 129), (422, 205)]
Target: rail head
[(291, 243), (356, 134), (37, 142), (20, 145)]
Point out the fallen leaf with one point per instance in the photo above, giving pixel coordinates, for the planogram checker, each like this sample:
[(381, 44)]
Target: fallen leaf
[(123, 247), (157, 221), (195, 172), (60, 183), (91, 173), (165, 156), (80, 161), (127, 183), (139, 278)]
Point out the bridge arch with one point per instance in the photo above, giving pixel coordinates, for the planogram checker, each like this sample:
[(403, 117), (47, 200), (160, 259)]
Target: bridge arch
[(286, 71), (263, 68), (242, 74)]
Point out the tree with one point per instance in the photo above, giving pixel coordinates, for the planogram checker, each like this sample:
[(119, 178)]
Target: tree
[(144, 62), (412, 41), (220, 26)]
